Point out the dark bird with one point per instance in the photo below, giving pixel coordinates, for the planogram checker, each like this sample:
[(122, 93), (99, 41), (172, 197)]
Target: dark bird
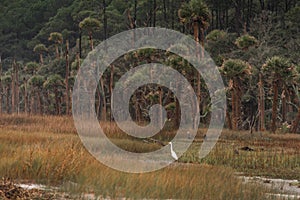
[(246, 148)]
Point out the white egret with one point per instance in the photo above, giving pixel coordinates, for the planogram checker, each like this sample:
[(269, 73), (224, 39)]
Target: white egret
[(174, 155)]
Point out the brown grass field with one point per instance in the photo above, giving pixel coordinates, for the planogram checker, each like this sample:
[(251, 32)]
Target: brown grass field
[(47, 150)]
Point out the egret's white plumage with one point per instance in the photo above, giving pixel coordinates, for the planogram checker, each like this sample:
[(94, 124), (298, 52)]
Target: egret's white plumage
[(173, 154)]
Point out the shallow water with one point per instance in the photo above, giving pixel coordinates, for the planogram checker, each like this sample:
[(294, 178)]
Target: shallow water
[(288, 189)]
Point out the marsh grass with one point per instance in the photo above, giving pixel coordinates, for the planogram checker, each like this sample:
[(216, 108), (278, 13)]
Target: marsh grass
[(276, 156), (47, 150)]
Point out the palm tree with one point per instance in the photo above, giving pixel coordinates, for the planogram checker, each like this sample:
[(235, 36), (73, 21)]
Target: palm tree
[(36, 85), (295, 125), (280, 72), (56, 84), (235, 70), (245, 41), (57, 38), (89, 24), (195, 12), (40, 49), (30, 70), (6, 83)]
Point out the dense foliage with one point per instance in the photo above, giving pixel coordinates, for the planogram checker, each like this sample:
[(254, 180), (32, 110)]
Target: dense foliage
[(42, 44)]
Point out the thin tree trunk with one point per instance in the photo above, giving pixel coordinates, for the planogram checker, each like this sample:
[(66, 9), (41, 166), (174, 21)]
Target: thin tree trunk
[(7, 99), (80, 48), (25, 97), (1, 94), (233, 107), (165, 14), (154, 13), (67, 79), (296, 122), (261, 105), (111, 82), (40, 105), (13, 88), (17, 89), (32, 103), (104, 20), (160, 109), (284, 106), (91, 41), (238, 103), (229, 121), (41, 59), (274, 106), (238, 15), (104, 99), (57, 52), (177, 107), (57, 102)]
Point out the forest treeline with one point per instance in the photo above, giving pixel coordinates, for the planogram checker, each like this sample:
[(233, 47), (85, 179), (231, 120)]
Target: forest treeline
[(255, 44)]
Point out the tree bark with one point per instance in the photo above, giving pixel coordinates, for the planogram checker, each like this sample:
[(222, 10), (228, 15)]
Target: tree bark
[(104, 20), (261, 105), (104, 99), (111, 83), (154, 13), (274, 106), (25, 97), (165, 13), (17, 89), (1, 94), (67, 79), (233, 108), (284, 106), (13, 88), (80, 48), (41, 59), (296, 122), (7, 99), (56, 51), (91, 40)]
